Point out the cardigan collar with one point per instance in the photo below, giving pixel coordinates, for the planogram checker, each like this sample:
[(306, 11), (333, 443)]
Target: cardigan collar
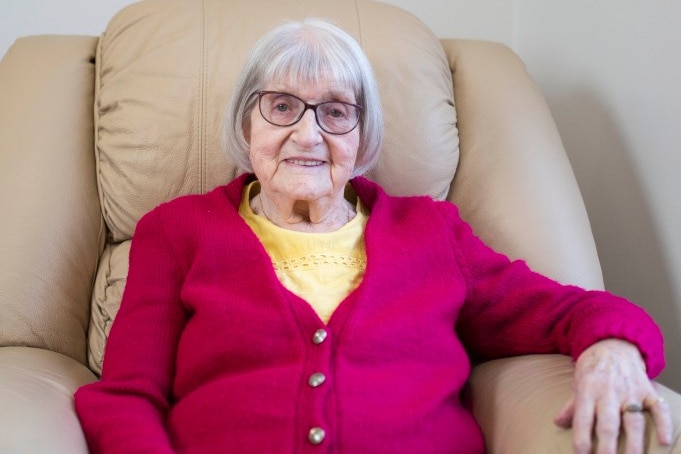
[(367, 191)]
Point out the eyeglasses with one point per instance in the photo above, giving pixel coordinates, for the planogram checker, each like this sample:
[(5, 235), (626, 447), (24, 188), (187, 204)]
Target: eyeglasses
[(284, 109)]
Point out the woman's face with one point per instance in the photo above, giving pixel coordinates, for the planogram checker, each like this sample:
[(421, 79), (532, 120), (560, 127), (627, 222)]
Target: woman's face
[(302, 162)]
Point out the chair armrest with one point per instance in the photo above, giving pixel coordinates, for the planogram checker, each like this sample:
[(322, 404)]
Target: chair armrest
[(514, 184), (51, 226), (515, 400), (36, 391)]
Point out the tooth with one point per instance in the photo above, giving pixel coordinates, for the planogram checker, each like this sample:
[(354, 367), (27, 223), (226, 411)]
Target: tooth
[(304, 162)]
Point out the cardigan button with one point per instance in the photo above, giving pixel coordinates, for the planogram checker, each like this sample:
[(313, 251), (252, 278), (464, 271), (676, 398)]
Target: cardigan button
[(319, 336), (316, 379), (316, 435)]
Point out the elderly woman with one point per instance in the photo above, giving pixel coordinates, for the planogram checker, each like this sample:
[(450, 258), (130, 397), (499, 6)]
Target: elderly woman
[(302, 309)]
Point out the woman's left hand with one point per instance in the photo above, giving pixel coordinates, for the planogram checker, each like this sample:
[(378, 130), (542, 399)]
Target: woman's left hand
[(611, 392)]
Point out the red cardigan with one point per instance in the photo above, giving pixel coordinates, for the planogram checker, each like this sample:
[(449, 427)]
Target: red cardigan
[(210, 353)]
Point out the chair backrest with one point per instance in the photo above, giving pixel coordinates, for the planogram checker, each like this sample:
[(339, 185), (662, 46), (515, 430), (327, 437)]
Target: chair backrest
[(164, 72), (51, 227)]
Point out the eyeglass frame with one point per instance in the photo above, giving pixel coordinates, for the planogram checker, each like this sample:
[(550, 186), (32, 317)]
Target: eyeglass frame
[(308, 106)]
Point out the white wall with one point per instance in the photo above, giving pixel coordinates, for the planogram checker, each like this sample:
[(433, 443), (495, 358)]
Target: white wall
[(37, 17), (610, 72)]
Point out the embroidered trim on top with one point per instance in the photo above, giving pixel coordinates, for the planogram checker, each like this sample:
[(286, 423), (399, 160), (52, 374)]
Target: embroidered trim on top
[(312, 260)]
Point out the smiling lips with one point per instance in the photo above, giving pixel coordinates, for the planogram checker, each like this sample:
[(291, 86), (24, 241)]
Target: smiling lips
[(305, 162)]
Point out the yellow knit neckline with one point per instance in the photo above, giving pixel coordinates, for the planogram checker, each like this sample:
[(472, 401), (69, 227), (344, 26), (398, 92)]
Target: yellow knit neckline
[(321, 268)]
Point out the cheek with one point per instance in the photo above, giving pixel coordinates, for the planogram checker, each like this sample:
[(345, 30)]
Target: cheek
[(347, 151), (263, 142), (264, 147)]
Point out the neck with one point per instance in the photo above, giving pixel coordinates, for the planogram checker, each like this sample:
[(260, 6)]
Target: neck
[(315, 216)]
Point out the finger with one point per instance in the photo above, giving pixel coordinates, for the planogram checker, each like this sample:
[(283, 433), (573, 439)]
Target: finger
[(634, 428), (564, 417), (608, 422), (659, 409), (582, 426)]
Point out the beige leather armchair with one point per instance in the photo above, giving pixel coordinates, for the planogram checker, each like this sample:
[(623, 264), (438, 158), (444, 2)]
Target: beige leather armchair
[(94, 132)]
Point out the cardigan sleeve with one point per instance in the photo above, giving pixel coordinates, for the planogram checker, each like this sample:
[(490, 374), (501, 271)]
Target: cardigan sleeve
[(125, 411), (511, 310)]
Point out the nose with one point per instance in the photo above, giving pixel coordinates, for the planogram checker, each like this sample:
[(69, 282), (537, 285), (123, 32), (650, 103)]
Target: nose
[(307, 131)]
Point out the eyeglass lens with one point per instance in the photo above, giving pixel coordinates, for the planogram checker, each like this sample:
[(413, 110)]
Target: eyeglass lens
[(283, 109)]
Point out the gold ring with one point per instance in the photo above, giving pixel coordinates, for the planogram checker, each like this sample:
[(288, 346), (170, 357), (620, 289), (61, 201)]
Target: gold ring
[(633, 408)]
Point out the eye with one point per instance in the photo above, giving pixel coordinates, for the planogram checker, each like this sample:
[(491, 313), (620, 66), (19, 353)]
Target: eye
[(281, 107), (336, 111)]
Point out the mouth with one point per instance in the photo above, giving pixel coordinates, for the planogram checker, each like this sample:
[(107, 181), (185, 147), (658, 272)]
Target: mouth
[(305, 162)]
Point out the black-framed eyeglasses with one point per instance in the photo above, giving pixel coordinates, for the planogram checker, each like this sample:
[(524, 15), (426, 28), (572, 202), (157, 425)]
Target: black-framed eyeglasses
[(285, 109)]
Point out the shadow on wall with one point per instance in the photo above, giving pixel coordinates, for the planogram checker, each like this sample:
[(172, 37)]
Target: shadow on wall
[(630, 248)]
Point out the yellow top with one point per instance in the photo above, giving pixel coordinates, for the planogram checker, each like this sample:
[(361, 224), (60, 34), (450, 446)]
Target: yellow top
[(321, 268)]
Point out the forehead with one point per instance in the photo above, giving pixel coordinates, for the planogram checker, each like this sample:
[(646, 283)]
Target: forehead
[(314, 91)]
